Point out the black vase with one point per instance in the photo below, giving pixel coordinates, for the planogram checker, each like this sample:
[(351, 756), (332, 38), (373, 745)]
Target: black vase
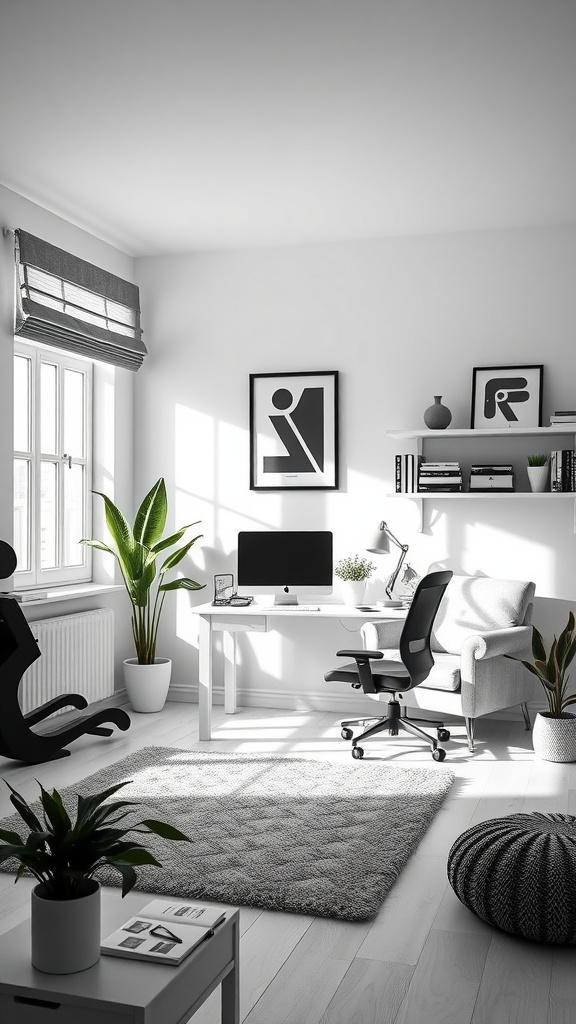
[(437, 416)]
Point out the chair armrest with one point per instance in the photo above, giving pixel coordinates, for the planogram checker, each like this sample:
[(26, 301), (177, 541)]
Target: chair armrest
[(357, 655), (496, 642)]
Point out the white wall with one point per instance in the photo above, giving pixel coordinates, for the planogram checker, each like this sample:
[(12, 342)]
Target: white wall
[(402, 320), (113, 468)]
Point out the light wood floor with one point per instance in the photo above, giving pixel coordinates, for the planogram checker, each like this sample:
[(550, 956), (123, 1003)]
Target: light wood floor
[(425, 959)]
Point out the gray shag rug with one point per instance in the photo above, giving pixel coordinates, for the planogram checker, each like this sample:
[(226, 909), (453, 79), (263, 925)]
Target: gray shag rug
[(281, 833)]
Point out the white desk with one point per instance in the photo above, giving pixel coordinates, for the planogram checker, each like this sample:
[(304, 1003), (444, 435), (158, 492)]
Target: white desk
[(254, 619)]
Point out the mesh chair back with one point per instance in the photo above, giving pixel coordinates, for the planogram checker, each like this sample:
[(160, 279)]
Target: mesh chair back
[(415, 640)]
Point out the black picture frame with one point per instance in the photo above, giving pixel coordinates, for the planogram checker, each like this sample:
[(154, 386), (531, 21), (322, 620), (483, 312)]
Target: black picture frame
[(294, 431), (507, 396)]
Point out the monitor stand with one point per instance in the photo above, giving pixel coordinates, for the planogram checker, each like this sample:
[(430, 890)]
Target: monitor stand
[(286, 598)]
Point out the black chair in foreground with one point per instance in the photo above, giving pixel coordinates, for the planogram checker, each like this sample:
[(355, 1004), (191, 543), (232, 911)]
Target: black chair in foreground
[(379, 678), (18, 651)]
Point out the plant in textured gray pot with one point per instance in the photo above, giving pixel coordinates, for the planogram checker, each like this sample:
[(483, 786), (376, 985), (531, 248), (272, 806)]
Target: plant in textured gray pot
[(63, 856), (554, 733)]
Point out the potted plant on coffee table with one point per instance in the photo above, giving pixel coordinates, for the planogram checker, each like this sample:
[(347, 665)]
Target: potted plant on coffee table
[(554, 732), (64, 856), (136, 549), (354, 571)]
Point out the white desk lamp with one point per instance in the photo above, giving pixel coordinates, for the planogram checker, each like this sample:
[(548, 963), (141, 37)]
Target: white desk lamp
[(381, 546)]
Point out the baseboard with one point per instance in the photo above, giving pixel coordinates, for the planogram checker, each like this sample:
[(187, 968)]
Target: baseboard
[(288, 700)]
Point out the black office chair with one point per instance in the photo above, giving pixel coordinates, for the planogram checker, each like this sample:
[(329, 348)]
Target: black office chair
[(395, 677)]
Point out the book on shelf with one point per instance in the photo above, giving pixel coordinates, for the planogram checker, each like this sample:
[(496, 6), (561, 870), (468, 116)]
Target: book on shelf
[(491, 470), (439, 488), (563, 470), (440, 478), (25, 596), (406, 469), (555, 420), (163, 932)]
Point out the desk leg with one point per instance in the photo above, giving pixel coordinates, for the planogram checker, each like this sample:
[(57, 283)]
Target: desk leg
[(229, 650), (230, 987), (205, 678)]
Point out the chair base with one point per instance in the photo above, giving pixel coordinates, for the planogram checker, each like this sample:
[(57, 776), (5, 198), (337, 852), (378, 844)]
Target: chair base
[(394, 722)]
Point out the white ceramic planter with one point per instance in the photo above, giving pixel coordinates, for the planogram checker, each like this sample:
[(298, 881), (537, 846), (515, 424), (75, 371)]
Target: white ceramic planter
[(554, 739), (538, 477), (352, 591), (65, 933), (147, 685)]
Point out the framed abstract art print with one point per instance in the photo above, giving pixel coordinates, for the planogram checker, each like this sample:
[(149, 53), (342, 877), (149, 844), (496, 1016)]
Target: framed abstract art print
[(506, 396), (294, 431)]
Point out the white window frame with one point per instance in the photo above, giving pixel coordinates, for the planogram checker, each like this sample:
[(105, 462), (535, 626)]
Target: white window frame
[(36, 576)]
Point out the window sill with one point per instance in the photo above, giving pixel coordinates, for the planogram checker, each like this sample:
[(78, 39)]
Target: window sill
[(70, 593)]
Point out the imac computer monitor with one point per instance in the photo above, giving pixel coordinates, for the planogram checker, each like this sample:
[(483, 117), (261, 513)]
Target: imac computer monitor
[(285, 564)]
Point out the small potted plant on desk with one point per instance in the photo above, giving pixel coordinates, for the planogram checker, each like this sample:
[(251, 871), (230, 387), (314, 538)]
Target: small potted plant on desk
[(554, 732), (63, 857), (354, 571), (136, 548)]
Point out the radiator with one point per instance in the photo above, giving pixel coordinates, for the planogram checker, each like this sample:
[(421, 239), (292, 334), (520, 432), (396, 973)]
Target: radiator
[(77, 657)]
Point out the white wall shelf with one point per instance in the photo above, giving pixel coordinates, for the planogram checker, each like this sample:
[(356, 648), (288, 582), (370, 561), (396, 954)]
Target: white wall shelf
[(419, 437)]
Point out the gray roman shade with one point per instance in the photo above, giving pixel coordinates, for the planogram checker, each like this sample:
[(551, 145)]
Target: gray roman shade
[(70, 304)]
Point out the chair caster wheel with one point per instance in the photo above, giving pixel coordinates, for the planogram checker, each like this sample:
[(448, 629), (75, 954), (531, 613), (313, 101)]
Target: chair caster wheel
[(346, 734), (357, 753), (438, 754), (443, 735)]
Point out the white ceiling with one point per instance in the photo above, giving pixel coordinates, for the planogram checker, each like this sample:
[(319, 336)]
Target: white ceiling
[(175, 125)]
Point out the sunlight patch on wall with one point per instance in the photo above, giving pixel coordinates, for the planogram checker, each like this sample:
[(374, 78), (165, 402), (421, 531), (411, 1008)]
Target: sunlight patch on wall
[(498, 553)]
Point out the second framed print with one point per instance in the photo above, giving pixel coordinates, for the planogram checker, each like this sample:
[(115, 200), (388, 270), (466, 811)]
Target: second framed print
[(294, 431), (506, 396)]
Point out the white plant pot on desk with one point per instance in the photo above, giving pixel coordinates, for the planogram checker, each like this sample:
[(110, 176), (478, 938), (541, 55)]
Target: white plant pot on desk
[(352, 591), (147, 685)]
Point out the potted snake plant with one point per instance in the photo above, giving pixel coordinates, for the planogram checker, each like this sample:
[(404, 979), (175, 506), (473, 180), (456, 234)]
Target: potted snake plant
[(136, 548), (64, 856), (554, 732)]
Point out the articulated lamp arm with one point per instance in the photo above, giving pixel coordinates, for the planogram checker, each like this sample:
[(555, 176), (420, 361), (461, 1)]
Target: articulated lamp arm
[(403, 552)]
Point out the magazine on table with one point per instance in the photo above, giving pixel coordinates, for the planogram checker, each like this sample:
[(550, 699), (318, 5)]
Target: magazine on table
[(163, 931)]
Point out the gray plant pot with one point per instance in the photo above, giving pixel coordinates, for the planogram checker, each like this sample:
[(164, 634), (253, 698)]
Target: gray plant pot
[(65, 933), (554, 739)]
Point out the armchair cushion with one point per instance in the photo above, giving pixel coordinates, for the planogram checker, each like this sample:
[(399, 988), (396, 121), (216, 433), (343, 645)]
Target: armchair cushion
[(479, 604)]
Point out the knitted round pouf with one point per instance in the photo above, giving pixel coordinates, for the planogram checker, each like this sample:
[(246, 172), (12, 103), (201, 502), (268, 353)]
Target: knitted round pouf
[(517, 873)]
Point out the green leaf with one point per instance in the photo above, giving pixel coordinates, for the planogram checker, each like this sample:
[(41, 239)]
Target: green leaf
[(100, 545), (182, 584), (151, 516), (173, 539), (129, 876), (119, 528), (135, 857), (24, 810), (161, 828), (538, 648), (568, 701), (9, 837), (55, 811), (177, 556)]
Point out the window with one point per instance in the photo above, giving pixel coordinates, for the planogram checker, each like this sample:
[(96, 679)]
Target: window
[(52, 466)]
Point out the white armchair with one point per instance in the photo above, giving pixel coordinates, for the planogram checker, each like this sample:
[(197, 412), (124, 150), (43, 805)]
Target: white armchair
[(479, 621)]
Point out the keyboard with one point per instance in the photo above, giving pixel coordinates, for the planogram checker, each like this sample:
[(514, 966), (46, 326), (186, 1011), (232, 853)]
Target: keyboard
[(289, 608)]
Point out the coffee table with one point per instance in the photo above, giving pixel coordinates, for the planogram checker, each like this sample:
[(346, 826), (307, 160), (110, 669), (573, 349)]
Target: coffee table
[(117, 990)]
